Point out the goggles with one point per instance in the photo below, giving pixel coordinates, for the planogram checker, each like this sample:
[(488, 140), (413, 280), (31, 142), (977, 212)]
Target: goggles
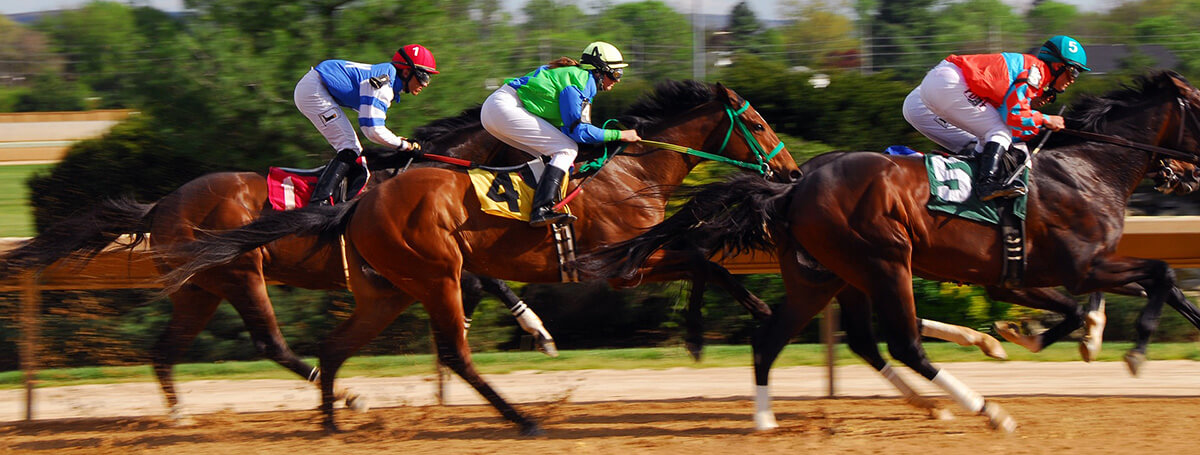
[(616, 74)]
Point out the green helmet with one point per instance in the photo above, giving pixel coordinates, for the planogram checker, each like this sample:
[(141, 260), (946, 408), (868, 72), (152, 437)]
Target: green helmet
[(1064, 49), (602, 56)]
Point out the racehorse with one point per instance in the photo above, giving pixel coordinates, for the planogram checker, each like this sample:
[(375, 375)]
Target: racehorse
[(226, 200), (411, 237), (860, 222)]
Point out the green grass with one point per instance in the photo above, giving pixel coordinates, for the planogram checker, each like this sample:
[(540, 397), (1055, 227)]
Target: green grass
[(16, 217), (617, 359)]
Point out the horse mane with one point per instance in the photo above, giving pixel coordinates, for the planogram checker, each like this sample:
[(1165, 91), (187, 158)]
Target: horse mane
[(669, 98), (1090, 112), (441, 128)]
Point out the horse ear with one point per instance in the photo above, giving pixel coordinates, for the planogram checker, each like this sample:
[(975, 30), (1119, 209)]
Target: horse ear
[(1182, 84), (730, 97)]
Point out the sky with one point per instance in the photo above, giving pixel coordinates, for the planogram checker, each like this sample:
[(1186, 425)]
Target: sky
[(762, 8)]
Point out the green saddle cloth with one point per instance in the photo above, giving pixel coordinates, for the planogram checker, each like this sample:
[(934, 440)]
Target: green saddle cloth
[(951, 191)]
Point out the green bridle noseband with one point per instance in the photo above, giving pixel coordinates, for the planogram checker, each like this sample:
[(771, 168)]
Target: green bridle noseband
[(735, 121)]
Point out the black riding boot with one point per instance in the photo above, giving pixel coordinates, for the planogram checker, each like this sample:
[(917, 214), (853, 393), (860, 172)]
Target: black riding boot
[(332, 176), (989, 183), (544, 198)]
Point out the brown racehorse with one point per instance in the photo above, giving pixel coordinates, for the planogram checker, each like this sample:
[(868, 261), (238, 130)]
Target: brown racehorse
[(409, 239), (860, 221), (226, 200)]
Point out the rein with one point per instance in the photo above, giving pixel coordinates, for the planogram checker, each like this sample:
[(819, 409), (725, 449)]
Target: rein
[(1172, 153)]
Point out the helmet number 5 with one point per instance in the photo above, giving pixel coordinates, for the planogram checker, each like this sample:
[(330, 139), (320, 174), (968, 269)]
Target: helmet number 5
[(1072, 47)]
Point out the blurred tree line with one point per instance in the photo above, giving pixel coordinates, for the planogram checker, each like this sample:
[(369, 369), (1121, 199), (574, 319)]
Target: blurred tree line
[(213, 88)]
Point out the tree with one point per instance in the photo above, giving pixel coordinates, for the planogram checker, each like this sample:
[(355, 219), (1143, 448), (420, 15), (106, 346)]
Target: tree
[(745, 31), (818, 36), (104, 48), (1052, 18), (654, 38), (900, 31)]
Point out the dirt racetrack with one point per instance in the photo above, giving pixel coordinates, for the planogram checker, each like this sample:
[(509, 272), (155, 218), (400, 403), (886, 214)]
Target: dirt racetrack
[(1071, 406)]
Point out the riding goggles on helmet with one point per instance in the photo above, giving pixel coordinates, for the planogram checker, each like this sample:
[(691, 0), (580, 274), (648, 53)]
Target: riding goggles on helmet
[(421, 74)]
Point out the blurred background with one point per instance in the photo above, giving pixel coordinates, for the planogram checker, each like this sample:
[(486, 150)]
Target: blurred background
[(139, 97)]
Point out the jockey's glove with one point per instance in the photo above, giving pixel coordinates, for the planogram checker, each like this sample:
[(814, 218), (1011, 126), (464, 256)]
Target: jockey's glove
[(409, 146)]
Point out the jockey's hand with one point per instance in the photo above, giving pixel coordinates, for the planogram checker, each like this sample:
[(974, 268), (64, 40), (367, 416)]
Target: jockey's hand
[(1054, 122), (409, 146), (630, 136)]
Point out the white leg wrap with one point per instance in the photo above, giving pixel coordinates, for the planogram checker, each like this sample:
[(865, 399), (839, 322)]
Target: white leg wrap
[(527, 318), (953, 333), (764, 418), (900, 385), (967, 398)]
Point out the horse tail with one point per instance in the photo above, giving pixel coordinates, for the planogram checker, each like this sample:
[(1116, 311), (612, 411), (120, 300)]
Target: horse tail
[(81, 237), (733, 216), (217, 248)]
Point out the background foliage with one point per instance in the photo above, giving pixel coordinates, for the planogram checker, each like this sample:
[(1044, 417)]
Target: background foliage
[(213, 89)]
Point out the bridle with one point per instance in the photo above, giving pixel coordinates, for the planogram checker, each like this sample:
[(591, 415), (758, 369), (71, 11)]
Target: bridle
[(1170, 179)]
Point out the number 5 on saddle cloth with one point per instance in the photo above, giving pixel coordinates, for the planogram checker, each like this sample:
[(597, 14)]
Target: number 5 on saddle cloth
[(951, 191)]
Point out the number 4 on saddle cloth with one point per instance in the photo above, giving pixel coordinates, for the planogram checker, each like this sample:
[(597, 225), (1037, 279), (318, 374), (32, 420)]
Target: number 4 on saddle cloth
[(508, 192), (290, 188)]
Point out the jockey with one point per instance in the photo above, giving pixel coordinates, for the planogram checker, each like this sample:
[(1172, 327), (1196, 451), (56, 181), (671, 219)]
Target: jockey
[(986, 102), (333, 84), (548, 112)]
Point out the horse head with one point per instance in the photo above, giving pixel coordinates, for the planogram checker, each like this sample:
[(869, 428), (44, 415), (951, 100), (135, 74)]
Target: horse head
[(1180, 132), (759, 142)]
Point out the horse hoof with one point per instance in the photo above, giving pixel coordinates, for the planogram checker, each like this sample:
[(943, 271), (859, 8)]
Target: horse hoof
[(941, 414), (765, 421), (532, 429), (546, 345), (991, 347), (331, 427), (998, 418), (695, 351), (1011, 332), (1089, 349), (1134, 361), (358, 403), (179, 419)]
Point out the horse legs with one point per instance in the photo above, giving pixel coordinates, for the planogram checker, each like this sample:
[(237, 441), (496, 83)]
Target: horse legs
[(805, 298), (893, 299), (373, 312), (249, 297), (694, 319), (529, 321), (1158, 281), (1049, 299), (443, 302), (192, 308), (860, 337)]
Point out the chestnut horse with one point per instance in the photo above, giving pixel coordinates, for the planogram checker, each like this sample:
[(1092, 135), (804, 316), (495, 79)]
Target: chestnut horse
[(411, 237), (226, 200), (860, 222)]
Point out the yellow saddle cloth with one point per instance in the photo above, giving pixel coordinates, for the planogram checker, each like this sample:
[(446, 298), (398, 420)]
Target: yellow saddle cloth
[(509, 194)]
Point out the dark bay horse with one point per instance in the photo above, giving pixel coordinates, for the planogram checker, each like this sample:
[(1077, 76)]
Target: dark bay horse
[(409, 239), (860, 222)]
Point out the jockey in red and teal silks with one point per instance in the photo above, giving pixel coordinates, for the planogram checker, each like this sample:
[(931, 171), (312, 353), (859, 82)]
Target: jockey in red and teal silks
[(548, 112), (983, 103)]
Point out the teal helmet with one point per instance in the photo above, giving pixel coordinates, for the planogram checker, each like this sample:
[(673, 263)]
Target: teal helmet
[(1064, 49)]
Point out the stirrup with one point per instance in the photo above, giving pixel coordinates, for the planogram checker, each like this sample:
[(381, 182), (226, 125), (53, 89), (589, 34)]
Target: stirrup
[(1006, 193)]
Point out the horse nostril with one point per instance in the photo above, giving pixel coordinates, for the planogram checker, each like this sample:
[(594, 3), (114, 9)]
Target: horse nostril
[(794, 175)]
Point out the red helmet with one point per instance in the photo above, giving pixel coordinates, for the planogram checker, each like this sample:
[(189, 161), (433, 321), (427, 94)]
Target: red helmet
[(415, 56)]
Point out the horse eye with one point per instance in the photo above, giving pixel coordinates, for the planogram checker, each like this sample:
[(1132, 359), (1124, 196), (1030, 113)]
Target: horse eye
[(759, 127)]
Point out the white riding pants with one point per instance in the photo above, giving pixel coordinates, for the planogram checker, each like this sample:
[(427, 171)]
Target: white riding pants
[(947, 112), (505, 117), (315, 102)]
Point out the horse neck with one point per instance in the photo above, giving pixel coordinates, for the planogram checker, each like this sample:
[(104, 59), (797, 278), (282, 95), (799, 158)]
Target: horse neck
[(645, 166), (1121, 167)]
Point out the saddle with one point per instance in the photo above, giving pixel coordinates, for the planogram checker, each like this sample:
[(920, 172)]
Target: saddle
[(290, 188), (951, 179)]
